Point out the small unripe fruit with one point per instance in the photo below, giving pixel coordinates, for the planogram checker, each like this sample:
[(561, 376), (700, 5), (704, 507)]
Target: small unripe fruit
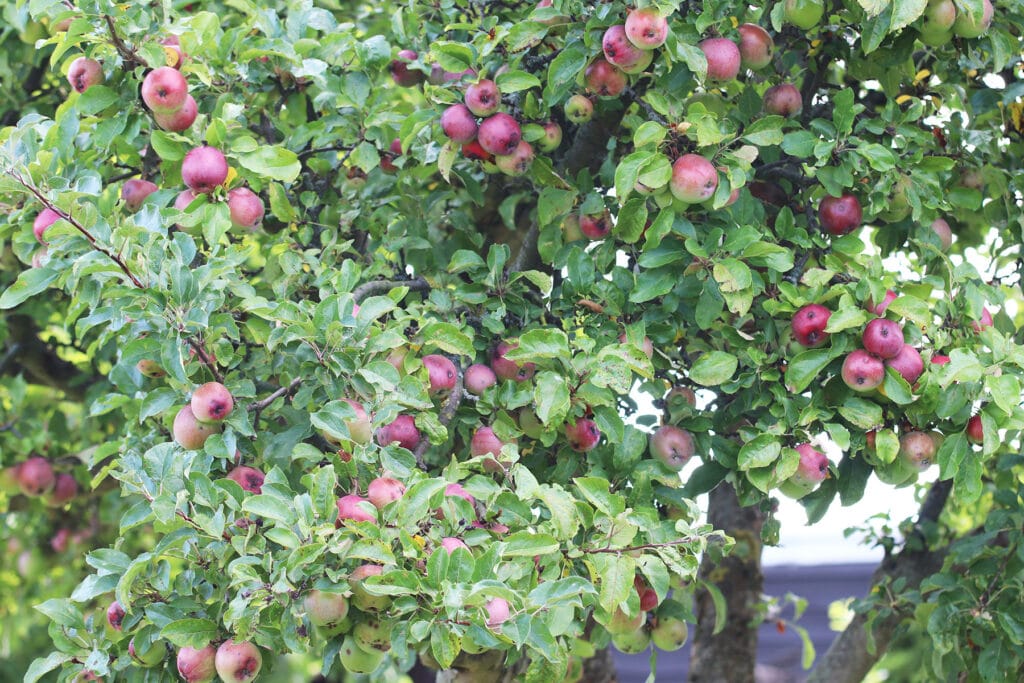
[(197, 666), (84, 73), (883, 338), (756, 47), (249, 478), (180, 120), (204, 169), (150, 368), (579, 109), (363, 600), (135, 191), (164, 90), (478, 378), (670, 634), (238, 662), (326, 610), (694, 179), (723, 58), (583, 435), (967, 26), (212, 402), (373, 635), (917, 449), (975, 430), (245, 207), (357, 660), (809, 325), (862, 371), (189, 432), (36, 477), (552, 137), (359, 429), (804, 14)]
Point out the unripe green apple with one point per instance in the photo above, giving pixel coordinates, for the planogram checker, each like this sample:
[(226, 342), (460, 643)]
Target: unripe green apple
[(632, 642), (357, 660), (804, 14), (147, 655)]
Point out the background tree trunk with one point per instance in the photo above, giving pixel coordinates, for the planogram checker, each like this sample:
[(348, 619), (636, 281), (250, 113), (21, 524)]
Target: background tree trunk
[(729, 656)]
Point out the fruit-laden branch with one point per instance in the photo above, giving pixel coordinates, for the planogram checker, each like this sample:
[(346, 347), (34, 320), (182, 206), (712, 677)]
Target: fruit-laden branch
[(130, 56), (445, 417), (384, 286), (78, 226), (849, 658)]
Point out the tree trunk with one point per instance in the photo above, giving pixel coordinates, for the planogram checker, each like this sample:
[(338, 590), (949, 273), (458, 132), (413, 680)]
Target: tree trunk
[(730, 655), (600, 668)]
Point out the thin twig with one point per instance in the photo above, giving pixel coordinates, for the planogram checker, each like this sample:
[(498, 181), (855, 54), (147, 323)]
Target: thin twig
[(446, 416), (257, 407), (383, 286), (78, 226), (204, 358), (331, 148), (128, 54), (634, 96), (645, 546)]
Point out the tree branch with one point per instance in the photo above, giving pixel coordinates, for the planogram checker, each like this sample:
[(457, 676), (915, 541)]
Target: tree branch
[(445, 417), (257, 407), (130, 56), (383, 286)]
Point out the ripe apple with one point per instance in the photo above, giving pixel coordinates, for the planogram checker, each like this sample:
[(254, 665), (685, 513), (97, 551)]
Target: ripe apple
[(384, 490), (669, 634), (450, 544), (84, 73), (984, 322), (249, 478), (579, 109), (483, 97), (473, 150), (672, 446), (245, 207), (917, 449), (604, 79), (135, 191), (212, 402), (36, 477), (756, 47), (510, 369), (115, 615), (783, 100), (890, 296), (597, 226), (458, 123), (804, 14), (180, 120), (694, 179), (840, 215), (723, 58), (442, 374), (498, 612), (646, 28), (812, 470), (809, 325), (620, 51), (64, 491), (941, 228), (197, 666), (478, 378), (189, 432), (552, 137), (975, 430), (203, 168), (862, 371), (457, 490), (968, 26), (583, 435), (401, 74), (940, 359), (173, 52), (518, 162), (324, 609), (350, 507), (164, 90), (238, 662), (908, 363), (363, 600), (403, 430), (883, 338), (499, 134), (44, 219)]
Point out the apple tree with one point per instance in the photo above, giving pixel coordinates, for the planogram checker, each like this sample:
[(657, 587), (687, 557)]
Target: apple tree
[(405, 336)]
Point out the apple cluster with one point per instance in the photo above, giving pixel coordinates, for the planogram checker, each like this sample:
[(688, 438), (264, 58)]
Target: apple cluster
[(204, 415), (205, 169), (654, 623), (942, 20), (36, 478), (497, 137)]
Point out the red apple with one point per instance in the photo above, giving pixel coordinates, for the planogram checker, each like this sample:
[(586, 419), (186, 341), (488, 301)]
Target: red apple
[(783, 99), (582, 435), (723, 58), (862, 371), (840, 215), (458, 123), (212, 402), (604, 78), (197, 666), (238, 662), (402, 430), (203, 168), (401, 73), (442, 374), (518, 162), (620, 51), (450, 544), (890, 296), (975, 430), (967, 25), (499, 134), (35, 476), (473, 150), (384, 490), (483, 97), (646, 28), (908, 363), (84, 73), (672, 446), (65, 489), (809, 325), (458, 491), (756, 47), (940, 359), (164, 90), (115, 615), (350, 507), (44, 219), (597, 226), (189, 432), (917, 449), (249, 478), (984, 322), (180, 120), (883, 338), (509, 369), (941, 228), (245, 207), (478, 378), (497, 612), (694, 179), (135, 191)]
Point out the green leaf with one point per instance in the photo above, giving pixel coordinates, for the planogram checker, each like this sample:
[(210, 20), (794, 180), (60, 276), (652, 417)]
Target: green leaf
[(912, 308), (514, 81), (1005, 392), (195, 633), (805, 367), (528, 544), (29, 283), (96, 98), (718, 600), (952, 453), (906, 12), (845, 318), (714, 368), (799, 143), (896, 388), (272, 161), (631, 221), (887, 445), (616, 574), (760, 451), (879, 158), (598, 493), (563, 70), (765, 131), (551, 397), (449, 338), (269, 507), (44, 665), (540, 344), (861, 412)]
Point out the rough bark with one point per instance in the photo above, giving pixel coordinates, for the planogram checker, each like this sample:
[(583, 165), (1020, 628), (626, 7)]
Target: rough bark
[(600, 668), (731, 654), (849, 658)]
